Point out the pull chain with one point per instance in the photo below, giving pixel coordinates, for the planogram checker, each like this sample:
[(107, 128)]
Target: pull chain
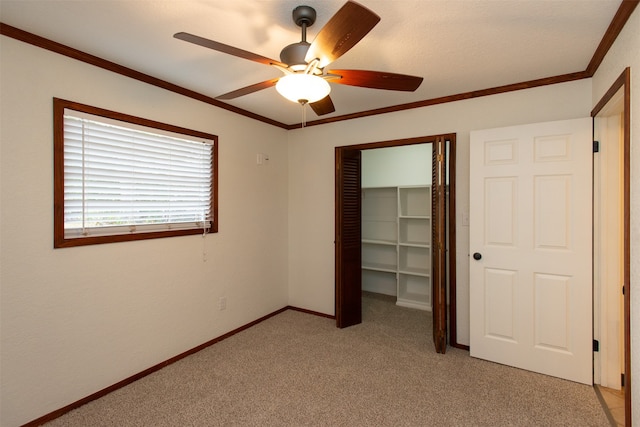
[(303, 104), (204, 215), (204, 248)]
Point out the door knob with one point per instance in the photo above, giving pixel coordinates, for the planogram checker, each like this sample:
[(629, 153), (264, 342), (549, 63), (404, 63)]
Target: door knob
[(477, 256)]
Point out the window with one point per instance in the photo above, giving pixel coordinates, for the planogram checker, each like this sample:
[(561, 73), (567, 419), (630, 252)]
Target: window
[(119, 178)]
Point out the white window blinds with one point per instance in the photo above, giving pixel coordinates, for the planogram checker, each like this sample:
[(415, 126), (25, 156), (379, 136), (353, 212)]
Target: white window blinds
[(121, 178)]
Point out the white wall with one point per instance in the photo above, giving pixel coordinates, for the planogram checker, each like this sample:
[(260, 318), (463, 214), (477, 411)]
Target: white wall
[(626, 53), (395, 166), (77, 320), (311, 176)]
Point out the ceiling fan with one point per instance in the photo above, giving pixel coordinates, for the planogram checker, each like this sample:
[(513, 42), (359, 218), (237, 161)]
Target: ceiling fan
[(305, 79)]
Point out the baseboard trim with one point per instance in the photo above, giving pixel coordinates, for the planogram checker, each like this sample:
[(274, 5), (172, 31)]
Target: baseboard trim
[(315, 313), (460, 346), (59, 412)]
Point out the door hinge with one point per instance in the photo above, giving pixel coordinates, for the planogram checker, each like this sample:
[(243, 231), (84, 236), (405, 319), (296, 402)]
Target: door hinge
[(596, 146), (623, 290), (596, 345)]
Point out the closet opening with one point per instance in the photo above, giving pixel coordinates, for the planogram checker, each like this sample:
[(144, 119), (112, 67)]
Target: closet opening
[(395, 229)]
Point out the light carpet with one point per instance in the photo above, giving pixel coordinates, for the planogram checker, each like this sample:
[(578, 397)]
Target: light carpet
[(297, 369)]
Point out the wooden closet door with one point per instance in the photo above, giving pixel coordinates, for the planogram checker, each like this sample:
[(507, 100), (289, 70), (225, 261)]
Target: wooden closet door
[(348, 238), (438, 245)]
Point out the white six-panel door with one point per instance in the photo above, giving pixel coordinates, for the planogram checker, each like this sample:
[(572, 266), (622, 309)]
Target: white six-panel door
[(531, 228)]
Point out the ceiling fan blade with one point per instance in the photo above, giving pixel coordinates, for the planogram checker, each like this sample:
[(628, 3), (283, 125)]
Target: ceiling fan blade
[(324, 106), (346, 28), (249, 89), (230, 50), (376, 80)]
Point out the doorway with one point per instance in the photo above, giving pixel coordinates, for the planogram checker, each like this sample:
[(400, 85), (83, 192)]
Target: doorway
[(348, 231), (611, 128)]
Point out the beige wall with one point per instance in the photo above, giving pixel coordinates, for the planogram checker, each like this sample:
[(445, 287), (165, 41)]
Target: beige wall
[(77, 320), (311, 176), (626, 53)]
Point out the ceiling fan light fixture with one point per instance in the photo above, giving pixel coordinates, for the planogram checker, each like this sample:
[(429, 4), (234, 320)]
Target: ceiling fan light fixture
[(303, 88)]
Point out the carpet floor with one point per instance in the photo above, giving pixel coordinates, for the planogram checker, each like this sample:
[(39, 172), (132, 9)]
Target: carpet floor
[(297, 369)]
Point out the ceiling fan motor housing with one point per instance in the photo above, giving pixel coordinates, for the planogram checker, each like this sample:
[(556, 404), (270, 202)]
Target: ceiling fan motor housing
[(293, 55)]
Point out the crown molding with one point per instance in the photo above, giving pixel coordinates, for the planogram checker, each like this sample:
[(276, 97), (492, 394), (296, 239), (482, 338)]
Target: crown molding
[(618, 22)]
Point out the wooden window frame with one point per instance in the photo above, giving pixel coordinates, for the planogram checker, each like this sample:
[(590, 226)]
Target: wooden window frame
[(60, 241)]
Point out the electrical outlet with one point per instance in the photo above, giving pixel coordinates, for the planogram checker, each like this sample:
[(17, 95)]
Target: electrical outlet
[(222, 303)]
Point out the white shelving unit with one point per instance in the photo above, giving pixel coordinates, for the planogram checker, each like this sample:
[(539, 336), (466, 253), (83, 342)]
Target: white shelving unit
[(380, 240), (396, 243)]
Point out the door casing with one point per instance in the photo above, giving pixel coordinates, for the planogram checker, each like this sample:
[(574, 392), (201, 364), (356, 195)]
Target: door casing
[(624, 81)]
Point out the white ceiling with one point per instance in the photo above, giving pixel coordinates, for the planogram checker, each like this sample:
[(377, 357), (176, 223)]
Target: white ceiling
[(456, 45)]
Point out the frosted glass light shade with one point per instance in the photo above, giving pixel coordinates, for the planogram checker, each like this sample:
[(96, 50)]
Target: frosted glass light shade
[(303, 88)]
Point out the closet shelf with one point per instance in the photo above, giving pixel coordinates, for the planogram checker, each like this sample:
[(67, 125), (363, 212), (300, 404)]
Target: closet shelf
[(380, 267), (415, 244), (379, 242), (425, 272)]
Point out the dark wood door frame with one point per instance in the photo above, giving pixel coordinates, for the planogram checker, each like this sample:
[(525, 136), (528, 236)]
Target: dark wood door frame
[(624, 81), (343, 288)]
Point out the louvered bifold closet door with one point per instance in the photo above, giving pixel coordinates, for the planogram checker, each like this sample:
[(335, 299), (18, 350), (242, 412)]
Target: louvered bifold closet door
[(348, 238), (439, 232)]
